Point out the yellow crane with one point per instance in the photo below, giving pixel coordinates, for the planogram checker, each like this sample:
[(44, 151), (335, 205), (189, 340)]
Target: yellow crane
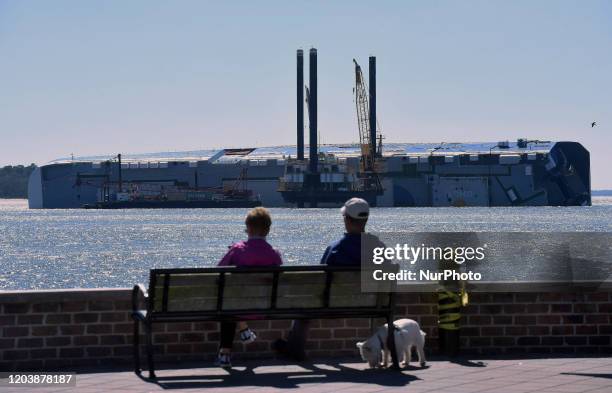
[(369, 153)]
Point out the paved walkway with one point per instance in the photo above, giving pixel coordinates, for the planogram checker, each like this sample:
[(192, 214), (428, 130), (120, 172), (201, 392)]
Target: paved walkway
[(566, 375)]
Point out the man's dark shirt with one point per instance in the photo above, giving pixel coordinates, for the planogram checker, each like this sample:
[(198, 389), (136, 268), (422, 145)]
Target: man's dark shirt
[(344, 252)]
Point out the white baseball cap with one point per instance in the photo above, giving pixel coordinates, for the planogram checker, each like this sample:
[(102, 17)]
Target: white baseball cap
[(356, 208)]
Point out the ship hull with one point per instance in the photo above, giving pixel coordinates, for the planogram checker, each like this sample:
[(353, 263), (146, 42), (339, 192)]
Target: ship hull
[(413, 175), (316, 198)]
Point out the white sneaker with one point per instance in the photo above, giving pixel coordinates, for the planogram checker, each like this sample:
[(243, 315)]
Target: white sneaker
[(224, 360), (247, 336)]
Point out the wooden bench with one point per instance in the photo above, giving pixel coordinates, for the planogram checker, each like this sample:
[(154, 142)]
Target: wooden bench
[(281, 292)]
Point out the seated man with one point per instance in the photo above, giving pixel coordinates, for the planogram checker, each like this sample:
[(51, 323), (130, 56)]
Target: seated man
[(347, 250), (344, 252)]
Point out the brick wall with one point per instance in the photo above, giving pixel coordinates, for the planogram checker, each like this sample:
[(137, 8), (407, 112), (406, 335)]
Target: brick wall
[(57, 329), (551, 322)]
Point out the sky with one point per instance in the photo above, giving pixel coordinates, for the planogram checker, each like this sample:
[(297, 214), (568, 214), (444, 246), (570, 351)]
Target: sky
[(107, 77)]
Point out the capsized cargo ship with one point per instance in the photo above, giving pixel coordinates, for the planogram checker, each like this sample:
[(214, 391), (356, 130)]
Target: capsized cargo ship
[(521, 173)]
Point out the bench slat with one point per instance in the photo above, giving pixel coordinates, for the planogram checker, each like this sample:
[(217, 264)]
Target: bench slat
[(188, 280), (301, 290), (253, 290), (192, 304), (299, 278), (188, 292), (192, 291)]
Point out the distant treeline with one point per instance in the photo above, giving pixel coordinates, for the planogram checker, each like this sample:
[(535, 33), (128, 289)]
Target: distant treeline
[(14, 181)]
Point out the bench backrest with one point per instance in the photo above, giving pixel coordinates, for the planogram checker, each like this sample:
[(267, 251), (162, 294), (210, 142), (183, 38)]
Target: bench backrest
[(224, 290)]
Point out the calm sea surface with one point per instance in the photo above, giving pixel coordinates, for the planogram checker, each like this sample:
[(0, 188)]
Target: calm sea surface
[(116, 248)]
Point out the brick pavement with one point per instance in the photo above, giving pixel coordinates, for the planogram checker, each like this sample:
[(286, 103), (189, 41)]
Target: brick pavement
[(546, 375)]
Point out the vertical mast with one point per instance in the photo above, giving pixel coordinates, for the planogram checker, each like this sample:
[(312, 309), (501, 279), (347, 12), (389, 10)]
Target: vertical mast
[(312, 110), (120, 177), (300, 104)]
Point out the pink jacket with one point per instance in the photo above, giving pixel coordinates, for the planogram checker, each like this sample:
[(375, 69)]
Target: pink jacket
[(253, 252)]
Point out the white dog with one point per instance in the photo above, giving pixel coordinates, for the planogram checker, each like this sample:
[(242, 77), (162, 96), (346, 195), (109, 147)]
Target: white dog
[(408, 334)]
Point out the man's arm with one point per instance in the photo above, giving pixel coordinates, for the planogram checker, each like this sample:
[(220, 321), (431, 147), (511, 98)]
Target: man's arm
[(326, 255), (279, 261)]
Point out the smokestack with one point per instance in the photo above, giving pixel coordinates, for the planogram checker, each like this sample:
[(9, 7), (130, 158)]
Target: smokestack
[(372, 84), (300, 104), (312, 110)]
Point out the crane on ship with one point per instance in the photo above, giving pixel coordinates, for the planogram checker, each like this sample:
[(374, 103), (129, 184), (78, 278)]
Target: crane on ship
[(327, 178), (369, 152)]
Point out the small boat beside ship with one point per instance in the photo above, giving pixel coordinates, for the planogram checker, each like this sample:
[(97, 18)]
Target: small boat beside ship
[(216, 200), (169, 195)]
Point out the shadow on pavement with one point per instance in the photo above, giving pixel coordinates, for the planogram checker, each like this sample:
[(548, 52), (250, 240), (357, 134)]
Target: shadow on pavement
[(286, 379), (607, 376), (467, 363)]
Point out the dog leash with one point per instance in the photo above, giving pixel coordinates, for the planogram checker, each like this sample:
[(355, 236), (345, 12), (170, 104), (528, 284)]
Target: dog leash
[(380, 340)]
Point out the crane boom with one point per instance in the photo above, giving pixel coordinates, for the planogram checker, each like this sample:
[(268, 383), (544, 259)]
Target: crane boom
[(367, 139), (363, 120)]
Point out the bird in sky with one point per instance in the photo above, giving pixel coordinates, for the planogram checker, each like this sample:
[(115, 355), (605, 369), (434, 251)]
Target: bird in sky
[(593, 124)]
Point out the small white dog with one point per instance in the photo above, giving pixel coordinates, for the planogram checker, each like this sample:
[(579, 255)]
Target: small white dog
[(408, 334)]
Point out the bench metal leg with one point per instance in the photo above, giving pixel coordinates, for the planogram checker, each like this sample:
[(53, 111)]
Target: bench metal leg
[(136, 343), (150, 362), (391, 342)]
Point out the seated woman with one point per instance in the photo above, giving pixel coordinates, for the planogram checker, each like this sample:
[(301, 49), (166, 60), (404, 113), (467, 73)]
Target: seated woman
[(256, 251)]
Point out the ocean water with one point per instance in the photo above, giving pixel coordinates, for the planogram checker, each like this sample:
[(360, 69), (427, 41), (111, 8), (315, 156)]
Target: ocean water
[(41, 249)]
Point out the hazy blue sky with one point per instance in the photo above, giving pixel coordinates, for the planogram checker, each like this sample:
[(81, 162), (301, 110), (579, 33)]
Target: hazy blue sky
[(89, 77)]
